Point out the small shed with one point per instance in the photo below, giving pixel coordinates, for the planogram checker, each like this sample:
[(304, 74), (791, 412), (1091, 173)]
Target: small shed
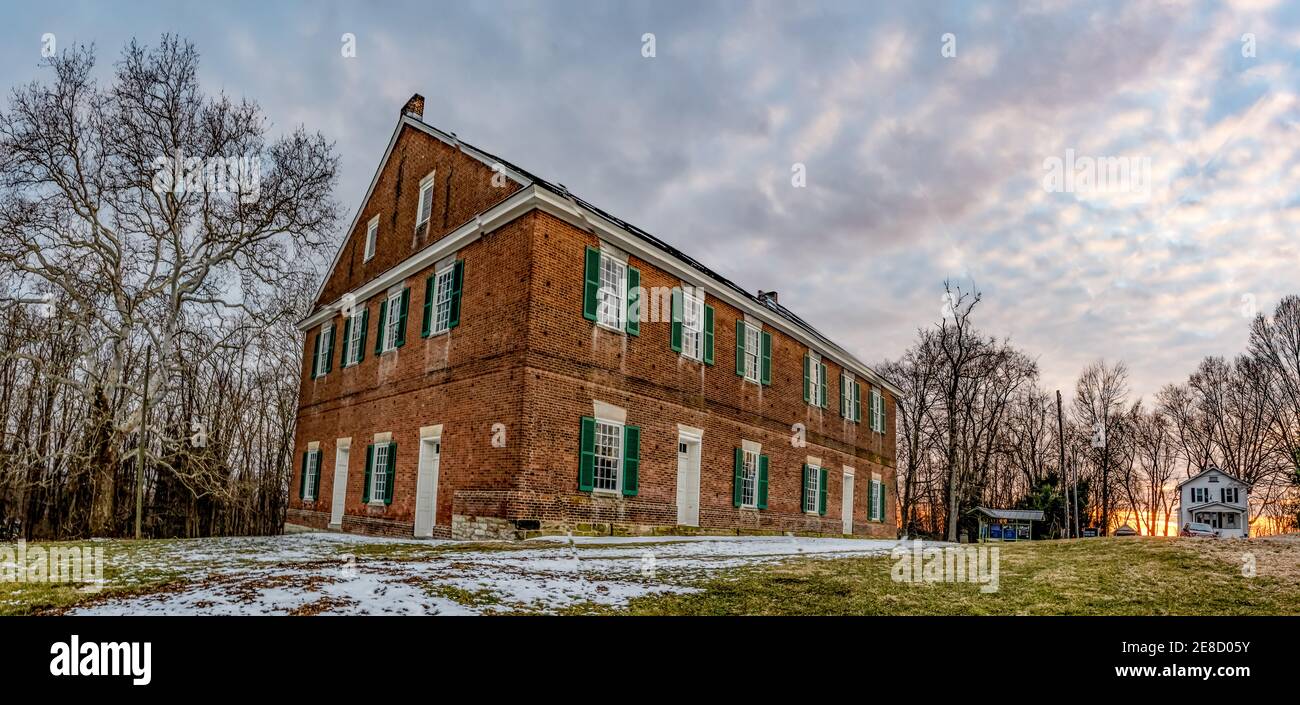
[(1007, 524)]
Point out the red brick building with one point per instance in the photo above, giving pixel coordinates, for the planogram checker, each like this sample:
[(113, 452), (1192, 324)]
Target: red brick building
[(491, 356)]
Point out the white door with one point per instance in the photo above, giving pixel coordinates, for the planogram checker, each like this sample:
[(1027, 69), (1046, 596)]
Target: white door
[(688, 481), (846, 506), (340, 494), (426, 487)]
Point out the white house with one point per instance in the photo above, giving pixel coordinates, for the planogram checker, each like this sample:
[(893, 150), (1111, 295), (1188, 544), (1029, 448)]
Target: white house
[(1216, 498)]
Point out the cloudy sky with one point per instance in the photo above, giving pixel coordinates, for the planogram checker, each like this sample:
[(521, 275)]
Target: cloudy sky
[(926, 132)]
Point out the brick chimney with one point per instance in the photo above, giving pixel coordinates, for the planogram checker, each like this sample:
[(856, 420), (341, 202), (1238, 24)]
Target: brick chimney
[(414, 106), (768, 295)]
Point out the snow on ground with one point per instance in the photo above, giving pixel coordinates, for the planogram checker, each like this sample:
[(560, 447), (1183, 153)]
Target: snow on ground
[(327, 573)]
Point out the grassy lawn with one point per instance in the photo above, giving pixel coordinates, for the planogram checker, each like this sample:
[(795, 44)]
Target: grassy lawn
[(1124, 576), (1106, 576)]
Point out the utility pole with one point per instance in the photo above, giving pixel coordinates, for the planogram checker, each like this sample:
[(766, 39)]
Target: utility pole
[(1060, 435), (139, 467)]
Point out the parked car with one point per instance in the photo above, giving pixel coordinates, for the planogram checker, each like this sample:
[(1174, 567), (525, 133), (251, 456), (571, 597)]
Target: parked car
[(1197, 528)]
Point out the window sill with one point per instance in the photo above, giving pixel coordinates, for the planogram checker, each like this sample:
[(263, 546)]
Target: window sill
[(746, 508), (379, 503), (606, 493), (612, 329)]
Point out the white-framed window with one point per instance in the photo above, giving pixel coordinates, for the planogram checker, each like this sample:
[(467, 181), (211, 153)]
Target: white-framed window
[(442, 284), (611, 310), (749, 479), (355, 332), (1230, 495), (812, 489), (1198, 494), (379, 473), (426, 202), (392, 320), (873, 512), (815, 381), (372, 237), (607, 472), (309, 478), (877, 411), (753, 353), (692, 325), (323, 349), (846, 395)]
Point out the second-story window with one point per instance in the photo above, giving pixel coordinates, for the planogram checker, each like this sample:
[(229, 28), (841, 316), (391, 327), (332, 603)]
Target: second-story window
[(442, 287), (356, 336), (324, 350), (693, 326), (393, 321), (753, 352), (372, 236), (613, 290)]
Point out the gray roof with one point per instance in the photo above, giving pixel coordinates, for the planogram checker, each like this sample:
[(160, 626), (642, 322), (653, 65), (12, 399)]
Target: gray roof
[(1013, 514)]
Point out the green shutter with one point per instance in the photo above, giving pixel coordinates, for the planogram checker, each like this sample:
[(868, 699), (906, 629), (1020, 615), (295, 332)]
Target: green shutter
[(591, 289), (347, 336), (821, 492), (740, 348), (807, 380), (883, 506), (708, 334), (803, 490), (329, 353), (675, 334), (587, 455), (857, 401), (390, 487), (762, 482), (633, 323), (766, 371), (365, 330), (315, 355), (401, 317), (379, 329), (426, 324), (738, 477), (316, 485), (631, 458), (370, 463), (821, 387), (302, 480), (457, 286)]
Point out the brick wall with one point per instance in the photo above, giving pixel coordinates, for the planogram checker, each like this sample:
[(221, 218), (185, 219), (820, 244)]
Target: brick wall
[(525, 357)]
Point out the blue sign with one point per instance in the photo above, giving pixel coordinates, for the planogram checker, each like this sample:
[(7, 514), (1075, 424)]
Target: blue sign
[(1009, 534), (995, 532)]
